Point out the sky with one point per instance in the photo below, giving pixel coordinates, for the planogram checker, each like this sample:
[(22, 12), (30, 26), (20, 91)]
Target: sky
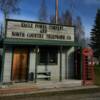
[(86, 9)]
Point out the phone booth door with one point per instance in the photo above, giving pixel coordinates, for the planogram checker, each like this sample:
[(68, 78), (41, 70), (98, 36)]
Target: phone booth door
[(88, 66)]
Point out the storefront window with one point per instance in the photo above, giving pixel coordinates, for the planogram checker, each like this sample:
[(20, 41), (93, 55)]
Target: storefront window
[(47, 56)]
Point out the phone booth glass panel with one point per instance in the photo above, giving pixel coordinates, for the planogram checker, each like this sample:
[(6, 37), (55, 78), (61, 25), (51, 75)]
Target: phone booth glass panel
[(88, 66)]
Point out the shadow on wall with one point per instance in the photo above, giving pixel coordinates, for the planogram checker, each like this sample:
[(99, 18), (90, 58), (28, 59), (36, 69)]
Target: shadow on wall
[(71, 70), (0, 65)]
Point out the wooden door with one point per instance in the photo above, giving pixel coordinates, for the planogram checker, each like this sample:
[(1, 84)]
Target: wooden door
[(20, 65)]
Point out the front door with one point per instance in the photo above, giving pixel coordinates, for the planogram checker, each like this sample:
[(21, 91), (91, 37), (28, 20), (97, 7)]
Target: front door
[(20, 65)]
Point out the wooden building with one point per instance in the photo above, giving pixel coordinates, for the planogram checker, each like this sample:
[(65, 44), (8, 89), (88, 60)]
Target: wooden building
[(34, 51)]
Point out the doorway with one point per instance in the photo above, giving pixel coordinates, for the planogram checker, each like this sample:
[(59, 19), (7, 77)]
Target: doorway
[(74, 65), (20, 65)]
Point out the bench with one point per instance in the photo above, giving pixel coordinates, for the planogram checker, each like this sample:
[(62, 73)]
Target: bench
[(44, 75)]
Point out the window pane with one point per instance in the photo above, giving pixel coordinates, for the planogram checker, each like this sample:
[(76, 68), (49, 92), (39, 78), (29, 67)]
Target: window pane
[(52, 57), (43, 56)]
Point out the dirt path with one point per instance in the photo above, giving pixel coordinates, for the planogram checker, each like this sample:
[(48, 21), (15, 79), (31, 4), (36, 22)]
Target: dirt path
[(90, 96)]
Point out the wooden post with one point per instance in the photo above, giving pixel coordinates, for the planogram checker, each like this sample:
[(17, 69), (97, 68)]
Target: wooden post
[(36, 62), (3, 61), (60, 71), (56, 11)]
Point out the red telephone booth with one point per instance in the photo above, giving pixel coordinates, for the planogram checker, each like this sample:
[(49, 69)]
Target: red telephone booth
[(88, 66)]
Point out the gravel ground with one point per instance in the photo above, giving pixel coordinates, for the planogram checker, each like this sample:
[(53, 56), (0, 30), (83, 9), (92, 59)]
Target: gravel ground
[(90, 96)]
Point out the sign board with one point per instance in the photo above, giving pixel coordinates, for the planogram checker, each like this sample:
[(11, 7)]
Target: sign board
[(33, 30)]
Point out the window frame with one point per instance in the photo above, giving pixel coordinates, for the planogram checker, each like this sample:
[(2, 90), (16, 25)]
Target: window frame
[(47, 56)]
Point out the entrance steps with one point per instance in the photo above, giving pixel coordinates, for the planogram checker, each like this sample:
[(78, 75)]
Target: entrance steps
[(41, 86), (44, 84)]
